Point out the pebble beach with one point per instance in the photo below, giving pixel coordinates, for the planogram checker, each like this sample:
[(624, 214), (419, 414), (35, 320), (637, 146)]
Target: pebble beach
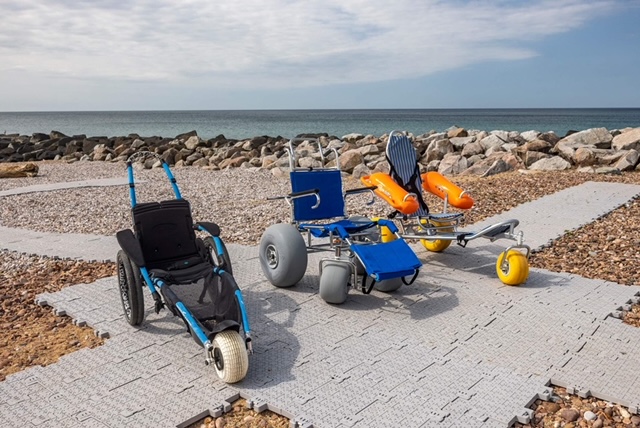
[(235, 198)]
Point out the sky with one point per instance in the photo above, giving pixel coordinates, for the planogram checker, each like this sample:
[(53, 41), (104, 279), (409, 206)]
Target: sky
[(68, 55)]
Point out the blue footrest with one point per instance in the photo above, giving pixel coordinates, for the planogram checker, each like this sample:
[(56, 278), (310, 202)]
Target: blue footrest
[(387, 260)]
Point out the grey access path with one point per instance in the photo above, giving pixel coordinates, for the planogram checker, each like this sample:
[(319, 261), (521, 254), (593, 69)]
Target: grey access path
[(67, 246), (456, 348)]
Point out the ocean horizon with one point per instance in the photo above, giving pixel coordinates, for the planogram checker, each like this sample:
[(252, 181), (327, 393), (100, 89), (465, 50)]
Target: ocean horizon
[(240, 124)]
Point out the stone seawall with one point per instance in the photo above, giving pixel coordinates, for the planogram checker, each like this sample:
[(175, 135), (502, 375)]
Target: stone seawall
[(452, 152)]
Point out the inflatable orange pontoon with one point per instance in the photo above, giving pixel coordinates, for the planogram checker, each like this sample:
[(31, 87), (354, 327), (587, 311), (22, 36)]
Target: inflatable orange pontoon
[(390, 191), (437, 184)]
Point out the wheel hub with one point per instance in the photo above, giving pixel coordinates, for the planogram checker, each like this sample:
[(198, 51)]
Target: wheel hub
[(217, 359), (272, 256)]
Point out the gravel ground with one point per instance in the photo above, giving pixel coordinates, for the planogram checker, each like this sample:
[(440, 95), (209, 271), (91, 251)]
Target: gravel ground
[(236, 199)]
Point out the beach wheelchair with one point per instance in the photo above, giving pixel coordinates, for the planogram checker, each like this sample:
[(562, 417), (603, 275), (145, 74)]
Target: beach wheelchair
[(190, 276), (318, 211), (402, 189)]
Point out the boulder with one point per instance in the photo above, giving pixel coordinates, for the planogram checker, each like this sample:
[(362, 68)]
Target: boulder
[(369, 149), (472, 149), (492, 141), (192, 142), (452, 164), (352, 138), (350, 159), (530, 135), (628, 161), (598, 138), (360, 171), (460, 142), (437, 150), (629, 140), (529, 158), (555, 163), (186, 135), (16, 171), (457, 132), (535, 146), (232, 163), (494, 164)]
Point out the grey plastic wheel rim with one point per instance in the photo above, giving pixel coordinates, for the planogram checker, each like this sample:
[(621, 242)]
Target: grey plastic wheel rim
[(271, 254)]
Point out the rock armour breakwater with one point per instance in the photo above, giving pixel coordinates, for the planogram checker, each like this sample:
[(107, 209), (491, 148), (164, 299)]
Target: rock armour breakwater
[(456, 151)]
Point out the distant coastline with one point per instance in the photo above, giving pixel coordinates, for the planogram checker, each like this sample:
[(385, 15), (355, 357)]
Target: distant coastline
[(240, 124)]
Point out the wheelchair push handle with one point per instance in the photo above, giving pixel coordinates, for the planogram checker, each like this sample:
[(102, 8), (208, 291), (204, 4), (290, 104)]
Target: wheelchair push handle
[(297, 195), (143, 156)]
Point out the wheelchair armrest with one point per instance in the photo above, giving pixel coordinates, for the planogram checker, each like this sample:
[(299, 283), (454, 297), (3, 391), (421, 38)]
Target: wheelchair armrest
[(209, 227), (360, 190), (130, 245)]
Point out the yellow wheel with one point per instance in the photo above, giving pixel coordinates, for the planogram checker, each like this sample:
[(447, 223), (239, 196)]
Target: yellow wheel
[(385, 232), (512, 267), (437, 245)]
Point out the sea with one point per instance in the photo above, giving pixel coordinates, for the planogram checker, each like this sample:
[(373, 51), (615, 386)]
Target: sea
[(241, 124)]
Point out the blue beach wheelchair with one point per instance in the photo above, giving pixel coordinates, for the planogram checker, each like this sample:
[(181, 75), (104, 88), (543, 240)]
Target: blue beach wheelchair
[(190, 276), (318, 211)]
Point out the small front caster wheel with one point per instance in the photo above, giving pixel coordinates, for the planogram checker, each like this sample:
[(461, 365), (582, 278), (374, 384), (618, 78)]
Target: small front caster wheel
[(230, 358), (512, 267)]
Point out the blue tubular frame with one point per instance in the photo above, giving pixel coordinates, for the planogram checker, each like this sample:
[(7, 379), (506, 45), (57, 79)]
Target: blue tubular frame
[(184, 311), (132, 184)]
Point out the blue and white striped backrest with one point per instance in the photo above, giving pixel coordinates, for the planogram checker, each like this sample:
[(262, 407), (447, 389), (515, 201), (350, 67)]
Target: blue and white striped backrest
[(403, 160)]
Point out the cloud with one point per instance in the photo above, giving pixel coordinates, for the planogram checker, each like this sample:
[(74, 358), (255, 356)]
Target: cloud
[(273, 43)]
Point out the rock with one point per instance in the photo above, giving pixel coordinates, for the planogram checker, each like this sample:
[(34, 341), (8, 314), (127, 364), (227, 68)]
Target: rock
[(460, 142), (352, 138), (457, 132), (436, 151), (221, 422), (589, 415), (309, 162), (555, 163), (635, 420), (472, 149), (598, 138), (56, 135), (137, 144), (530, 135), (529, 158), (350, 159), (360, 171), (608, 170), (269, 160), (629, 140), (536, 146), (233, 163), (16, 171), (628, 161), (192, 142), (491, 141), (187, 135), (598, 423), (201, 162), (570, 415), (550, 407), (452, 164), (370, 149)]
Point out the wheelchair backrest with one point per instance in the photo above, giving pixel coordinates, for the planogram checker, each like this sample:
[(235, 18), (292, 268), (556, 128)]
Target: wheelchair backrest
[(165, 231), (404, 169), (329, 184)]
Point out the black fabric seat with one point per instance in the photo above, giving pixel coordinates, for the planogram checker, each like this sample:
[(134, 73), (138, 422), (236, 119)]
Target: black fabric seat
[(173, 253)]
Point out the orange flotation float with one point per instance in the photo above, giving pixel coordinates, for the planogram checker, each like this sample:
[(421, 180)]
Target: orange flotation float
[(390, 191), (437, 184)]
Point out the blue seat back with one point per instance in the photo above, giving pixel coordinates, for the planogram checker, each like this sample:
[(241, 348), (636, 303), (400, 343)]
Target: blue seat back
[(329, 183)]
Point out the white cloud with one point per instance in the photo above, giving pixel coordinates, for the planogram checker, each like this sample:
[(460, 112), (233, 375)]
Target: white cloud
[(273, 43)]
